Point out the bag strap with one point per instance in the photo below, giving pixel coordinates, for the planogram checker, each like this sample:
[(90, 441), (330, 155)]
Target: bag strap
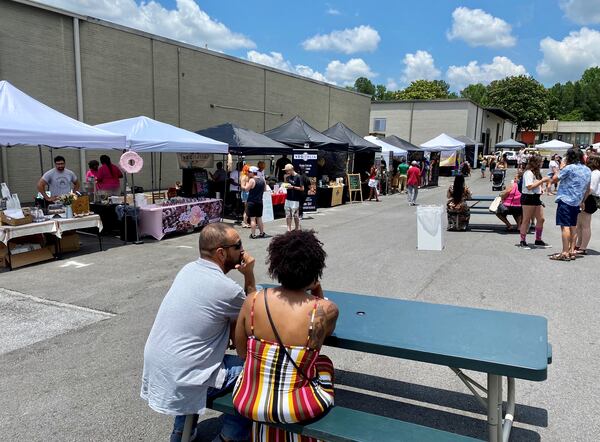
[(281, 343)]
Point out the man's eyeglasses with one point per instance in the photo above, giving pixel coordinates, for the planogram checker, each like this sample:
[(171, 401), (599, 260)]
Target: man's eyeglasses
[(236, 246)]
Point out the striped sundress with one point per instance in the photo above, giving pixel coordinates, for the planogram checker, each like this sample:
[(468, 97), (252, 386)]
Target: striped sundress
[(270, 389)]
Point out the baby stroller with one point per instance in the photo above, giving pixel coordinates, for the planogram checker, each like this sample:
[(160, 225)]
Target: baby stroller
[(498, 180)]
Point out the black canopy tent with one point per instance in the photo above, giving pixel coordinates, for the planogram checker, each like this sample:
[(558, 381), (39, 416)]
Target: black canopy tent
[(355, 142), (299, 134), (471, 148), (402, 144), (245, 141)]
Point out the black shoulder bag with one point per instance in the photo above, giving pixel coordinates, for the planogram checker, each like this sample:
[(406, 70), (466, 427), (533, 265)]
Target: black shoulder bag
[(314, 381)]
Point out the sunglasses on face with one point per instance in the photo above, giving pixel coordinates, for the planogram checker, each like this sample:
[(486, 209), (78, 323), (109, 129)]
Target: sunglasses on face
[(236, 246)]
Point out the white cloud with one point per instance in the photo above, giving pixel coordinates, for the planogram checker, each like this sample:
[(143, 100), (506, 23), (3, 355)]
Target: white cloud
[(391, 85), (581, 11), (500, 67), (347, 73), (348, 41), (331, 10), (478, 28), (277, 60), (187, 22), (419, 66), (567, 59)]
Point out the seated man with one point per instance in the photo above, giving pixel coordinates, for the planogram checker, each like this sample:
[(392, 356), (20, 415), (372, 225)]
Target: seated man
[(184, 357)]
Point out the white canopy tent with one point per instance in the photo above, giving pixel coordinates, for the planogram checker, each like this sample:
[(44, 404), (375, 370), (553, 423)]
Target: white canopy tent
[(386, 147), (443, 142), (147, 135), (596, 147), (554, 145), (26, 121)]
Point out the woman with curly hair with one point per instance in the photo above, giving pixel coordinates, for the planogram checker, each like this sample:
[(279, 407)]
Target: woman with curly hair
[(531, 201), (279, 333)]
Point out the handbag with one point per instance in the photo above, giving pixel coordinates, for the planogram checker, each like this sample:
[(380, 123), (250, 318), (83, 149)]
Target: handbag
[(494, 206), (314, 381)]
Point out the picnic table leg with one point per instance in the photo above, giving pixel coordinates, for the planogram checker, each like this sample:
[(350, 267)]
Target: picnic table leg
[(187, 428), (510, 410), (494, 407)]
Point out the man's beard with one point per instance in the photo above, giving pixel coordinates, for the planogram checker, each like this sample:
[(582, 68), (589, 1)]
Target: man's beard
[(230, 263)]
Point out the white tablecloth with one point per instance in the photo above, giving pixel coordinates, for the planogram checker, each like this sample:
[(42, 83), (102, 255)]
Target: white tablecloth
[(54, 226)]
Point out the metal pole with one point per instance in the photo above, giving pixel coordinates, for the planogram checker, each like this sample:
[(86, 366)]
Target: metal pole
[(41, 160), (79, 88), (152, 174), (160, 171), (494, 412), (4, 165)]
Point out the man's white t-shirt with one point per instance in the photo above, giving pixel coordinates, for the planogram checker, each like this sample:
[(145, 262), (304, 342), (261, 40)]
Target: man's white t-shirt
[(529, 179)]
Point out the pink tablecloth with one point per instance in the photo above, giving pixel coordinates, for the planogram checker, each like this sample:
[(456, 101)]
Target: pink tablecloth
[(278, 198), (157, 221)]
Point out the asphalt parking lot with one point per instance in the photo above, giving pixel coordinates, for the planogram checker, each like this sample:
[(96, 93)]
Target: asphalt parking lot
[(71, 348)]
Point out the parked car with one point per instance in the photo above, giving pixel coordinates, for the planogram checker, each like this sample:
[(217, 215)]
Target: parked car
[(511, 156)]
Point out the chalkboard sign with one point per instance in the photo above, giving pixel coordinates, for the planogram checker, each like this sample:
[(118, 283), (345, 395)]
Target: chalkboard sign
[(354, 185)]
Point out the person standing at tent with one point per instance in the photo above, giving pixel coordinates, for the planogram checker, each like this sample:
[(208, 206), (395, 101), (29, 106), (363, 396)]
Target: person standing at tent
[(279, 167), (413, 182), (108, 176), (531, 202), (402, 169), (60, 181), (255, 188), (295, 191), (373, 184)]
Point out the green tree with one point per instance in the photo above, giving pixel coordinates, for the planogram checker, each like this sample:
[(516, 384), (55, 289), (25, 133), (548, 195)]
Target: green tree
[(424, 90), (555, 101), (475, 92), (523, 97), (365, 86), (590, 94)]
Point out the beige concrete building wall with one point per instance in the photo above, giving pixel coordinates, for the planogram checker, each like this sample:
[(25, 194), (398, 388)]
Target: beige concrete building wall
[(433, 118), (126, 73), (344, 107), (397, 115)]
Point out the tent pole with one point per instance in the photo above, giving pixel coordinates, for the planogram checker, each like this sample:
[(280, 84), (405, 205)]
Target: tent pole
[(135, 214), (160, 171), (41, 160), (152, 174), (225, 189)]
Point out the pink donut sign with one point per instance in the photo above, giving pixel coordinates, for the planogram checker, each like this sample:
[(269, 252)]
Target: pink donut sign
[(131, 162)]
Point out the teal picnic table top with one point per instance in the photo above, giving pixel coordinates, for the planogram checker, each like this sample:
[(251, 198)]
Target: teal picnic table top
[(496, 342), (482, 198)]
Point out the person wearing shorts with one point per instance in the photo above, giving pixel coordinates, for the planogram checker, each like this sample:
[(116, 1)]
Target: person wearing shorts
[(531, 202), (574, 177), (295, 191), (255, 189), (590, 205)]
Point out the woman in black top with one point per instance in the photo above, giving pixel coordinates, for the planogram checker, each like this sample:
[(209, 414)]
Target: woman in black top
[(255, 188)]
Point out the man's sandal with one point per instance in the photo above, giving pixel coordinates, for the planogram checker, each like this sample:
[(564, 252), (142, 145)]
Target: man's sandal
[(560, 257)]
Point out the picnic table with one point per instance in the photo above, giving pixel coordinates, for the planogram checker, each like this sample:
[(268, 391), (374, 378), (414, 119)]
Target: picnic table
[(492, 342), (481, 199)]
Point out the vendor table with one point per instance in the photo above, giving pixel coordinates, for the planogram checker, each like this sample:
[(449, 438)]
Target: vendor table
[(55, 226), (330, 196), (159, 220)]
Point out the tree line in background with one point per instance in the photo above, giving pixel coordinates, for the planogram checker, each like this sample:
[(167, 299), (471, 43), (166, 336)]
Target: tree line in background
[(528, 100)]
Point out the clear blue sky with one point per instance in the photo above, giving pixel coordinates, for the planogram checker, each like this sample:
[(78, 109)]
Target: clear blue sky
[(391, 42)]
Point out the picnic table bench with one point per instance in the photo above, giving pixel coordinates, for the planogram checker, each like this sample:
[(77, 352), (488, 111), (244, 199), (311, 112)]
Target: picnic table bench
[(476, 199), (492, 342)]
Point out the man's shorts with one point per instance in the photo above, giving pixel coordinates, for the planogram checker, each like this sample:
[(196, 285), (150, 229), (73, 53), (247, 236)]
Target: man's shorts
[(291, 208), (566, 215), (255, 210)]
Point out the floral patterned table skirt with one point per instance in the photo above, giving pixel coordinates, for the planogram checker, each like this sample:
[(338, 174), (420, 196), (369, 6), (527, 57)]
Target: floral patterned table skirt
[(158, 221)]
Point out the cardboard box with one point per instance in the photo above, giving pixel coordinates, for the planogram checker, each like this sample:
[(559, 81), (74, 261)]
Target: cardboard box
[(69, 242), (24, 259), (3, 254)]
